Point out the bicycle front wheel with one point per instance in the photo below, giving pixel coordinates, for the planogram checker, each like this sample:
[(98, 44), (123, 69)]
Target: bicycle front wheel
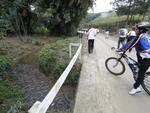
[(146, 83), (115, 66)]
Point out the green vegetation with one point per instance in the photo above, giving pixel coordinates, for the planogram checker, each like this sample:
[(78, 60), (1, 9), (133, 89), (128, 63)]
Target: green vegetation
[(54, 58), (112, 21), (5, 66), (37, 42), (55, 53), (106, 18), (11, 99), (58, 17), (130, 8), (41, 30), (127, 13), (91, 16), (47, 58), (4, 25)]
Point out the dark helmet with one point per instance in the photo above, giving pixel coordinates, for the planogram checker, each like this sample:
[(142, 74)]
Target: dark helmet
[(144, 24)]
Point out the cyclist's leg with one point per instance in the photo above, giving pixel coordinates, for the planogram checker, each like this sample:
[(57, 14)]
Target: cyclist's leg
[(118, 46), (139, 58), (143, 67), (129, 38), (121, 43)]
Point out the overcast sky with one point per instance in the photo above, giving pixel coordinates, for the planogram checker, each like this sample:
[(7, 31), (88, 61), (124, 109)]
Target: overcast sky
[(102, 6)]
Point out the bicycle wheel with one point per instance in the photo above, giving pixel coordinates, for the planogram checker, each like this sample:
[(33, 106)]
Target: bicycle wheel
[(115, 66), (146, 83)]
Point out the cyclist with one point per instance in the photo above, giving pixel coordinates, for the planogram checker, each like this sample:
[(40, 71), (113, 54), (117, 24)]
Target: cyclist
[(142, 44)]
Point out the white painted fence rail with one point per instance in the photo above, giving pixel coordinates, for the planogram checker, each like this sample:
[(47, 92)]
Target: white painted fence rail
[(41, 107)]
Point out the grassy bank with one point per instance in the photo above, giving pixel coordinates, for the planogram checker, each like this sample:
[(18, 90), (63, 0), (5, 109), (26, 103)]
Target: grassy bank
[(12, 99)]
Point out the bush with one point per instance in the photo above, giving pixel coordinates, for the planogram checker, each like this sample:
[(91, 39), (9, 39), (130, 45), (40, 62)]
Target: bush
[(53, 60), (8, 90), (36, 42), (41, 30), (4, 26), (5, 65), (46, 59), (74, 74), (18, 107), (11, 98)]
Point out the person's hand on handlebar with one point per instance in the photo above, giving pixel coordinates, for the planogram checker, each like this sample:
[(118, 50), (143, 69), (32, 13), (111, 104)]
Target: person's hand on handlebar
[(120, 50)]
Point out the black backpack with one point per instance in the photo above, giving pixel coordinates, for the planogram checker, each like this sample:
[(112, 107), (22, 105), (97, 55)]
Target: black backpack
[(121, 32)]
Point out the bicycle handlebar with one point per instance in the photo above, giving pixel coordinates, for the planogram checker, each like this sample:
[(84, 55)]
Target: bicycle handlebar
[(122, 55)]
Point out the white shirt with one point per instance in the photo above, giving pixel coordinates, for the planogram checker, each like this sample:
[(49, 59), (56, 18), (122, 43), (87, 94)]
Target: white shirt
[(131, 33), (92, 33)]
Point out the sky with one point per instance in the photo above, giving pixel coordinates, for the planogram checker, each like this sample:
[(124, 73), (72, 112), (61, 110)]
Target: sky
[(101, 6)]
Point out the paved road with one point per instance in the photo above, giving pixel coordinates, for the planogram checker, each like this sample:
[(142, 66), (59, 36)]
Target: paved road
[(101, 92)]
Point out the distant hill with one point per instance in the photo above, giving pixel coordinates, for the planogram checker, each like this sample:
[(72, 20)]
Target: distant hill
[(92, 16), (105, 17), (110, 20)]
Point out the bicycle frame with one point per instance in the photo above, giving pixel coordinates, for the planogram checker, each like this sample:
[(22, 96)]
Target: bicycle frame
[(134, 66)]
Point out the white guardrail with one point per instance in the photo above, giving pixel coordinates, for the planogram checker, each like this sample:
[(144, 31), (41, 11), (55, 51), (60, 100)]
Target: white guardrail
[(41, 107)]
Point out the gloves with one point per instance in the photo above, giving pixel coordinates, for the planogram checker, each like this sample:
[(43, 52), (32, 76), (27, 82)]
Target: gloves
[(120, 50)]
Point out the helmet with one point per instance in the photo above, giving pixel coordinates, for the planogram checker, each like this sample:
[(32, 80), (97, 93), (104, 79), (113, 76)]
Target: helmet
[(144, 24)]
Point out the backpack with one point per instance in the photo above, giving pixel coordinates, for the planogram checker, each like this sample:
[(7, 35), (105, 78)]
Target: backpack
[(121, 32)]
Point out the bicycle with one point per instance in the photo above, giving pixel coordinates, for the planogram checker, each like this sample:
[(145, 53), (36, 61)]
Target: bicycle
[(115, 66)]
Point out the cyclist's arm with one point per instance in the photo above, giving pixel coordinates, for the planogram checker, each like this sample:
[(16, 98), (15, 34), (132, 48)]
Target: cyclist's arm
[(130, 44)]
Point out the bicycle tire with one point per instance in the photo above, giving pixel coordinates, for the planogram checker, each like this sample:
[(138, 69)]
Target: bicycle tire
[(146, 83), (121, 71)]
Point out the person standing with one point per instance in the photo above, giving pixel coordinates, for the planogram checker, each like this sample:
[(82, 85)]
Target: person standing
[(131, 35), (122, 37), (107, 34), (91, 37)]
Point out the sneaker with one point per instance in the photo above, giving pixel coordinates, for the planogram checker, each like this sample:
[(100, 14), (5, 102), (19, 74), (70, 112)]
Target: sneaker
[(134, 91)]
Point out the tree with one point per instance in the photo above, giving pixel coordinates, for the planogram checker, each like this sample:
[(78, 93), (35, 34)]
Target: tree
[(124, 7), (142, 7), (61, 17), (18, 13), (64, 16), (131, 7)]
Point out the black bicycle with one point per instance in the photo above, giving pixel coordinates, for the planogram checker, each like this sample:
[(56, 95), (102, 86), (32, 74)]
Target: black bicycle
[(115, 66)]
